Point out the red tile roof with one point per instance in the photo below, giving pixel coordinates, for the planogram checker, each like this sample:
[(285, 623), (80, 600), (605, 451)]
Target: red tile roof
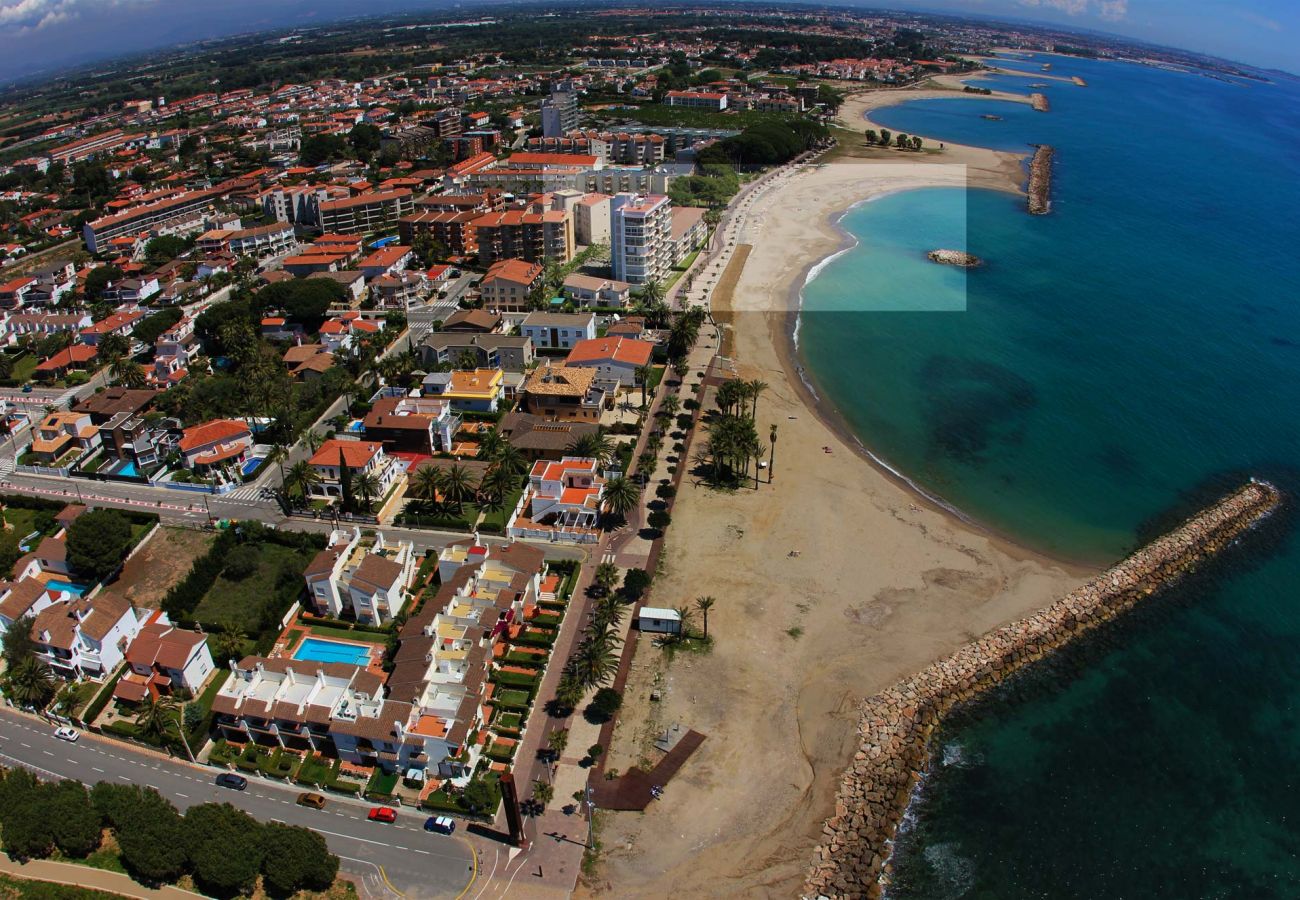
[(213, 432), (356, 454)]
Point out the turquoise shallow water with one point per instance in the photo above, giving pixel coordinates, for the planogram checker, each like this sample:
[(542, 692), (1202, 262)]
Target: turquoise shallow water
[(1138, 346)]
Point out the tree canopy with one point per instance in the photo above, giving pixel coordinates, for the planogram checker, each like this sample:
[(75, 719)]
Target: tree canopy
[(97, 542)]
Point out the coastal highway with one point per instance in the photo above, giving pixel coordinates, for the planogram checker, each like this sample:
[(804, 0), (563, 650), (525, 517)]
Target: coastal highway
[(389, 861)]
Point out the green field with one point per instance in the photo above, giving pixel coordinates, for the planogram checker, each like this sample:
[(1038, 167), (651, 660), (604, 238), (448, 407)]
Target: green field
[(243, 601)]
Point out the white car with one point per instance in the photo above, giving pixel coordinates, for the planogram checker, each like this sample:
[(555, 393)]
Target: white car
[(67, 733)]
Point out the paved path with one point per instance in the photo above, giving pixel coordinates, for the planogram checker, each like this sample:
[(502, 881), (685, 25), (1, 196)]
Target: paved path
[(87, 877)]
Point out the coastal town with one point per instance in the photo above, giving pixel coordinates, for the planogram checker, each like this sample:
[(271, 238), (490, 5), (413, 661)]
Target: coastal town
[(389, 472)]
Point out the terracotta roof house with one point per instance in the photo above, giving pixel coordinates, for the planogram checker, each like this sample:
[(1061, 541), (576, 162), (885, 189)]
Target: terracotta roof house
[(538, 438), (562, 502), (85, 636), (566, 393), (479, 321), (104, 405), (360, 458), (616, 359), (215, 443), (162, 659)]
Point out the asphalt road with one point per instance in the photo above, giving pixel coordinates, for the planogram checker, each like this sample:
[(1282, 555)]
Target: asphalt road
[(395, 860)]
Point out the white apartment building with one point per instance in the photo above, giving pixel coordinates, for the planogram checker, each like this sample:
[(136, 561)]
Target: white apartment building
[(641, 243)]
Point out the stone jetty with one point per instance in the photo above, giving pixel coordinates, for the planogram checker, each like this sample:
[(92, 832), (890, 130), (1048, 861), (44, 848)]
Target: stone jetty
[(1040, 180), (1079, 81), (896, 725), (1039, 102), (955, 258)]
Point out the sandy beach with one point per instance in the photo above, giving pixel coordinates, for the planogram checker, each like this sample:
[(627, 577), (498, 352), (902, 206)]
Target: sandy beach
[(831, 582)]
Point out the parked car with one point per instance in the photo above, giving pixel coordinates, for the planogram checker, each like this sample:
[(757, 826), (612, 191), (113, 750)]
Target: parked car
[(440, 824), (67, 733), (315, 801), (232, 781), (382, 814)]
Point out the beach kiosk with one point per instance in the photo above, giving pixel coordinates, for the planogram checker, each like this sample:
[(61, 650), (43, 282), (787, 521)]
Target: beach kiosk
[(657, 620)]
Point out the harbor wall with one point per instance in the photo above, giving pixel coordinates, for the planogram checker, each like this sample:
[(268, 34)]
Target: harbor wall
[(1040, 180), (896, 725)]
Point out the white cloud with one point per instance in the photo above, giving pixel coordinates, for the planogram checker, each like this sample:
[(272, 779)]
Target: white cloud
[(1106, 9), (20, 16)]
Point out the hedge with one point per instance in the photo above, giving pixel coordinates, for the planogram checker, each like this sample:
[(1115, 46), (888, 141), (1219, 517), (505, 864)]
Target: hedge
[(531, 639), (533, 660), (501, 754), (546, 620), (97, 705)]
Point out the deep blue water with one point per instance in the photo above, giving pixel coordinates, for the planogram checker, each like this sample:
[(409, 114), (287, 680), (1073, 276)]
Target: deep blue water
[(1139, 343)]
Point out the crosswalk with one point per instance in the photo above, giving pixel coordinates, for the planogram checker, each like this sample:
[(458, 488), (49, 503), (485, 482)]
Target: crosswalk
[(247, 492)]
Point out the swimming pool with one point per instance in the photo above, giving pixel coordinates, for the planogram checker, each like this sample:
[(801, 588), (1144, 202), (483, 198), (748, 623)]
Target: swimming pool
[(128, 469), (250, 465), (322, 650), (58, 584), (383, 242)]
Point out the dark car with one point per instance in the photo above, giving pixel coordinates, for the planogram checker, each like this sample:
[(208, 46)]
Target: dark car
[(232, 781), (440, 824)]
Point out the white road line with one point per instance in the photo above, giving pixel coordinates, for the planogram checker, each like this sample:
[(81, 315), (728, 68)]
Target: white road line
[(179, 794), (21, 744), (124, 778), (97, 769), (47, 753)]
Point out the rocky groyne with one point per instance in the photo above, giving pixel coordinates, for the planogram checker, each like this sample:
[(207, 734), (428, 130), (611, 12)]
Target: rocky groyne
[(1079, 81), (896, 724), (1040, 180), (1040, 103)]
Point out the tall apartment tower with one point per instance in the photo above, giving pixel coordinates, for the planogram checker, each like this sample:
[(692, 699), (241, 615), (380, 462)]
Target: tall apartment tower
[(640, 236), (560, 112)]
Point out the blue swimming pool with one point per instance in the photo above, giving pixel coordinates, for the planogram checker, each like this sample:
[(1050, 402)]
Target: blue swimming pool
[(321, 650), (57, 584), (356, 426), (382, 242), (250, 465), (128, 469)]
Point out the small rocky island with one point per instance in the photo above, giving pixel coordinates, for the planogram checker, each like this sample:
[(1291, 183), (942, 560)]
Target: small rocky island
[(958, 258)]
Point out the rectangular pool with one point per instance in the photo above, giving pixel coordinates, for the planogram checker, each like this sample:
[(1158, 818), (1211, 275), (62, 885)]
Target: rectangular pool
[(251, 464), (58, 584), (316, 649)]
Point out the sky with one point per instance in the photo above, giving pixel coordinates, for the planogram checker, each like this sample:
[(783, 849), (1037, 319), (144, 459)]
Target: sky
[(38, 36)]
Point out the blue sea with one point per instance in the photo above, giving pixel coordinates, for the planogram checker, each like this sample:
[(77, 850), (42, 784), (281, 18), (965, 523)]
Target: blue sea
[(1113, 365)]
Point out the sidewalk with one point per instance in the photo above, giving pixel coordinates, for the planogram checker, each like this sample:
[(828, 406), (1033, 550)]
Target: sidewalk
[(93, 879)]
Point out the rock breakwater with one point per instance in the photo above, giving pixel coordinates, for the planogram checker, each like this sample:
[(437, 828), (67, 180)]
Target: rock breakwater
[(896, 725), (958, 258), (1040, 180), (1040, 103), (1079, 81)]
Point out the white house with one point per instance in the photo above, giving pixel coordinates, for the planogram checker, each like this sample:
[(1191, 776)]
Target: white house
[(367, 581), (562, 501), (164, 659), (82, 636), (360, 458), (558, 331), (658, 620)]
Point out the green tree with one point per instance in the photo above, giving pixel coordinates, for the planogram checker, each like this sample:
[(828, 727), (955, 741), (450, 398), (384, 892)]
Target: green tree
[(156, 718), (457, 485), (98, 280), (97, 542), (296, 859), (128, 373), (368, 487), (300, 479), (704, 604), (424, 483), (604, 704), (17, 644), (872, 137), (75, 824), (164, 248), (27, 829), (478, 797), (114, 347), (643, 375), (31, 683), (885, 136), (659, 519), (635, 583), (225, 846), (621, 497), (364, 139), (345, 484)]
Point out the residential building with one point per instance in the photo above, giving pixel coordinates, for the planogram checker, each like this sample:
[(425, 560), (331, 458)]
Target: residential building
[(361, 579), (591, 219), (215, 443), (118, 323), (401, 290), (509, 284), (564, 393), (453, 229), (689, 231), (558, 331), (641, 247), (538, 438), (509, 352), (474, 321), (709, 100), (85, 636), (164, 659), (129, 437), (414, 424), (588, 290), (59, 435), (616, 359), (260, 241), (366, 212), (181, 213), (559, 113), (386, 261), (476, 390), (562, 502), (533, 236), (342, 332), (360, 458)]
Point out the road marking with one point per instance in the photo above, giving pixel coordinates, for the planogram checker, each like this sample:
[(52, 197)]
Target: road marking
[(28, 746), (124, 778), (47, 753), (97, 769), (179, 794)]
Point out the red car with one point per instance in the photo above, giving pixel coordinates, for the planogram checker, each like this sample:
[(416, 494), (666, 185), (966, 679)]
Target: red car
[(382, 814)]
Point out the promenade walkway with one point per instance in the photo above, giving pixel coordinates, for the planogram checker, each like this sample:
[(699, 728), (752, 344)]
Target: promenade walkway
[(90, 878)]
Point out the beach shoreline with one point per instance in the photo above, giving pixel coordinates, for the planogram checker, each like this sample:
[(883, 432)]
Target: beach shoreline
[(834, 580)]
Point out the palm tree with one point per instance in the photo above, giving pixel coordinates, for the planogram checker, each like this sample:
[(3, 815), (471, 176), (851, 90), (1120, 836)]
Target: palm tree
[(457, 485), (704, 604), (496, 485), (671, 405), (278, 454), (606, 576), (771, 459), (157, 717), (684, 615), (229, 640), (509, 459), (643, 374), (424, 483), (621, 496), (490, 444), (313, 441), (557, 740), (127, 372), (300, 479), (595, 661), (368, 486), (593, 445), (31, 683), (755, 388)]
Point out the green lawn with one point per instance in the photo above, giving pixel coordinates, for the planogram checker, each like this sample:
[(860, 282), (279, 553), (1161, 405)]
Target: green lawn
[(512, 699), (499, 517), (23, 889), (346, 634), (24, 523), (382, 782), (244, 600)]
